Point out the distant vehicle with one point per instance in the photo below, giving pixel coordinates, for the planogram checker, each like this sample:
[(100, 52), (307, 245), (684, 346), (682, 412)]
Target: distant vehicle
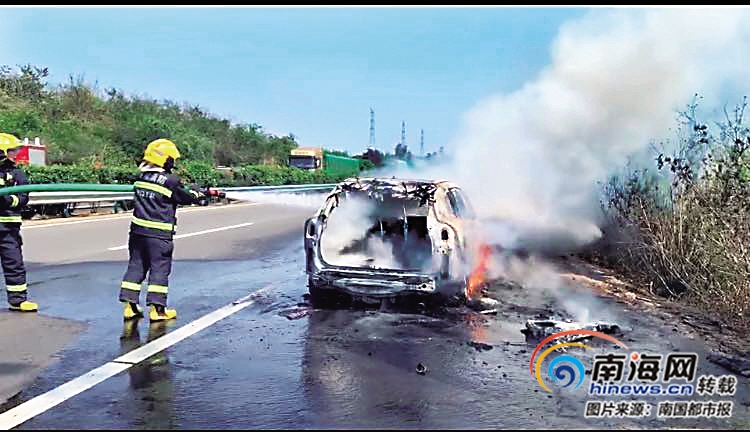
[(32, 153), (384, 238), (213, 194), (307, 158), (315, 158)]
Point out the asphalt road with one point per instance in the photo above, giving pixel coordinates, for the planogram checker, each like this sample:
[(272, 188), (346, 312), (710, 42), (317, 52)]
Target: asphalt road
[(237, 231), (75, 264), (236, 357)]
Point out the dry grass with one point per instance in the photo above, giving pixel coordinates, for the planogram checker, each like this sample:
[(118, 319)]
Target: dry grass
[(688, 241), (699, 252)]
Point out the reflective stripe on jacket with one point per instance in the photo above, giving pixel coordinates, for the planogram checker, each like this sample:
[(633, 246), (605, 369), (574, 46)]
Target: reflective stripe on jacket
[(156, 197)]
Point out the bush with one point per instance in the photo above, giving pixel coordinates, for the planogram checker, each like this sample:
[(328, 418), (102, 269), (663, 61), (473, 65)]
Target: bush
[(200, 173), (61, 174), (690, 241), (21, 123), (203, 174)]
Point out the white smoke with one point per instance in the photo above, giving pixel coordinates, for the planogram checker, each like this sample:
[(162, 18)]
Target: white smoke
[(616, 82), (310, 200), (347, 226), (544, 283), (531, 160)]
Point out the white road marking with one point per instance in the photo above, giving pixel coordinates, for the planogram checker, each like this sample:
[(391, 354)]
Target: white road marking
[(208, 231), (42, 403), (91, 219), (56, 396)]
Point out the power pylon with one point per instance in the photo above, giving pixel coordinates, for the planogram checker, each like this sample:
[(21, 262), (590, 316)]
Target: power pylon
[(372, 128)]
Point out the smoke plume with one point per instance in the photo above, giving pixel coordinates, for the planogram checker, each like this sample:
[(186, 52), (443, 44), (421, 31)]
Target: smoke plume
[(531, 160), (346, 229), (616, 82)]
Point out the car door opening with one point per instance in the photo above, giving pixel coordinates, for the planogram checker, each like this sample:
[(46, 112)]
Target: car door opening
[(389, 234)]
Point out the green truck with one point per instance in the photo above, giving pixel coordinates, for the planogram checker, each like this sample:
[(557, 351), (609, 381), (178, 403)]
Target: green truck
[(315, 158)]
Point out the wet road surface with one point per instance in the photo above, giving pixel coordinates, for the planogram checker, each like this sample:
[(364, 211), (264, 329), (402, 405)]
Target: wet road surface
[(257, 368)]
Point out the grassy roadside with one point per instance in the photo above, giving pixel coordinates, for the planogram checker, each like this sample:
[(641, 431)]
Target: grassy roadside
[(680, 233)]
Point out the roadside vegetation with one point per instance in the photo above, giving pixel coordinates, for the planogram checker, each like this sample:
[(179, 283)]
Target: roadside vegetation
[(95, 135), (682, 227)]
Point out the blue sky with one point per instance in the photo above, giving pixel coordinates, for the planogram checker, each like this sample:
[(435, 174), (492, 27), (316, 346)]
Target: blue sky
[(312, 72)]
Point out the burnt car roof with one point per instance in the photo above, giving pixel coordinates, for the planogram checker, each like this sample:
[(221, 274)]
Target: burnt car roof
[(377, 187), (394, 179), (390, 182)]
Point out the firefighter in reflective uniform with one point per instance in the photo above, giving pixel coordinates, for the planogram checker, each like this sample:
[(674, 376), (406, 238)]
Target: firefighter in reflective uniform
[(11, 243), (157, 193)]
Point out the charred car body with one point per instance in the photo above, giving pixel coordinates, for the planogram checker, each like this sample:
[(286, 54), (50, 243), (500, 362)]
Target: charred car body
[(377, 238)]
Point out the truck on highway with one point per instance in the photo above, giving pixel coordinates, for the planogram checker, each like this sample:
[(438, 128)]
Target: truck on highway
[(307, 158), (315, 158)]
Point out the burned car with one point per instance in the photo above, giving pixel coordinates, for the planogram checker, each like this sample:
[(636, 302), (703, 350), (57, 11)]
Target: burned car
[(377, 238)]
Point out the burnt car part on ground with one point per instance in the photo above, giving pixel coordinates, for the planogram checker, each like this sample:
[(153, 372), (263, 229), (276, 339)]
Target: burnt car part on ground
[(537, 330), (377, 239)]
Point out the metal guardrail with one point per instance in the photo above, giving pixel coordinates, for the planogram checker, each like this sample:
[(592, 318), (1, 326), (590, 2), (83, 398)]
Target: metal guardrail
[(42, 198)]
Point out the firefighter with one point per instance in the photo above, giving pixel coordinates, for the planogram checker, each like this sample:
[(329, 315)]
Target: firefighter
[(11, 251), (157, 193)]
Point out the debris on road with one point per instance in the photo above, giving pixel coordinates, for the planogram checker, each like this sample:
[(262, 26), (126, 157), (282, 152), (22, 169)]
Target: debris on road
[(421, 369), (540, 329), (483, 304), (296, 312), (479, 346)]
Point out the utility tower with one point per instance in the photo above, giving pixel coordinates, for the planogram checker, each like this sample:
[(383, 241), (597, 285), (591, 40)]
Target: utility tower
[(421, 142), (403, 133), (372, 128)]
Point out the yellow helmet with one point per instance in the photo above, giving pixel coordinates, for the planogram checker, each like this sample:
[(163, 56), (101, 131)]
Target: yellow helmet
[(158, 151), (8, 141)]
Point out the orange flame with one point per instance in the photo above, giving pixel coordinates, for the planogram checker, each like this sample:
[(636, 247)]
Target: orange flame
[(479, 274)]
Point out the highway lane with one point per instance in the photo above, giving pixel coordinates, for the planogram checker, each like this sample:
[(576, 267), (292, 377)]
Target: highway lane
[(74, 267), (216, 232), (255, 368)]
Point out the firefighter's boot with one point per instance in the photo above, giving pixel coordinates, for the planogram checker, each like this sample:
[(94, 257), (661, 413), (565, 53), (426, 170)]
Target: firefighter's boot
[(24, 306), (161, 313), (132, 310)]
